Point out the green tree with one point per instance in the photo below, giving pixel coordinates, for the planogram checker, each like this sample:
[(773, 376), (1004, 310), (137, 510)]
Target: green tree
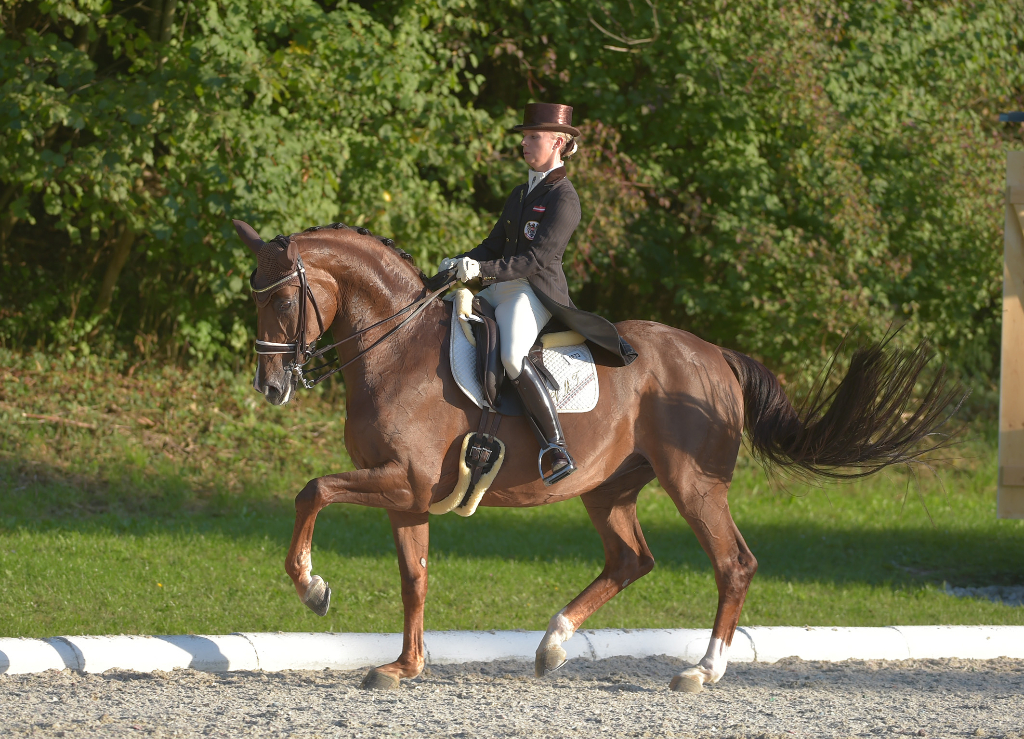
[(770, 175), (809, 168), (131, 136)]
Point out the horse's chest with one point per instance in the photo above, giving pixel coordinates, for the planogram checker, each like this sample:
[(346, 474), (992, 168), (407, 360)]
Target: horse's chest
[(386, 413)]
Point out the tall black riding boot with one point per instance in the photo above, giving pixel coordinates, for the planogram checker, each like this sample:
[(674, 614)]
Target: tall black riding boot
[(544, 417)]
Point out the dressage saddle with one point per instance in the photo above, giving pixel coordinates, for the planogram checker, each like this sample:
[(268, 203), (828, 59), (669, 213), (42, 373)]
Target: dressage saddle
[(498, 389)]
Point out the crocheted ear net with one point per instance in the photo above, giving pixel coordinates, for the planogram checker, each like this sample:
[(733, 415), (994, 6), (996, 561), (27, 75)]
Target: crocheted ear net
[(272, 264)]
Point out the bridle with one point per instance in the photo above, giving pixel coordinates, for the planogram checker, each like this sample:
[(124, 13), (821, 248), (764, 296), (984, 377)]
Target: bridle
[(299, 346), (303, 352)]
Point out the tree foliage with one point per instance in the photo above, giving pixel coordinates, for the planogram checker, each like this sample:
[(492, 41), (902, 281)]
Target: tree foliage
[(770, 175), (280, 113)]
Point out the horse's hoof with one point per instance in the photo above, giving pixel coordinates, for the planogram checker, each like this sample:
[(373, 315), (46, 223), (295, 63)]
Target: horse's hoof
[(318, 596), (688, 681), (377, 680), (548, 661)]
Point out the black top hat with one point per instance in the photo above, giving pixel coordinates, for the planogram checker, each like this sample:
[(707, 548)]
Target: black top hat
[(547, 117)]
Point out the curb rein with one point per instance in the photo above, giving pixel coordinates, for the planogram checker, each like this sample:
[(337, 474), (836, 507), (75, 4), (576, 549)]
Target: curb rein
[(302, 350)]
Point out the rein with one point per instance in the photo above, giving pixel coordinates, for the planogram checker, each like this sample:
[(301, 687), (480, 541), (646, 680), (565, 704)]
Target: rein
[(301, 349)]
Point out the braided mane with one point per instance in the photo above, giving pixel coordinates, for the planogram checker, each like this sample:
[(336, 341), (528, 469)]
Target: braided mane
[(432, 283)]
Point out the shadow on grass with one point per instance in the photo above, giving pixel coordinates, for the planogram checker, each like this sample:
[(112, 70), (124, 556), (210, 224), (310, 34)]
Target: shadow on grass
[(796, 551)]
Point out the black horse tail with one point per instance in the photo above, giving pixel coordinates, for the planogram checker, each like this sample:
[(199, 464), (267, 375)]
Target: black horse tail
[(867, 422)]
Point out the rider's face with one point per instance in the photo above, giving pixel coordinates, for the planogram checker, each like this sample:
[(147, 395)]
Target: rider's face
[(540, 149)]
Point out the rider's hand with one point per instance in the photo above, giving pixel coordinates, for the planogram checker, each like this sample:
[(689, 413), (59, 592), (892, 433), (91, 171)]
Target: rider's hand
[(468, 269), (447, 263)]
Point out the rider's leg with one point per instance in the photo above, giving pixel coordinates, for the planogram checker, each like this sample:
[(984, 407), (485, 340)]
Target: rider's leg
[(541, 407), (521, 316)]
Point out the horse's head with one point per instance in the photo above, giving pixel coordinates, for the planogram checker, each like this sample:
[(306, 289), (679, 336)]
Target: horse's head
[(288, 321)]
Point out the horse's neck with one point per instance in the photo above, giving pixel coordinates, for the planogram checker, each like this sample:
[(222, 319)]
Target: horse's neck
[(368, 287), (371, 291)]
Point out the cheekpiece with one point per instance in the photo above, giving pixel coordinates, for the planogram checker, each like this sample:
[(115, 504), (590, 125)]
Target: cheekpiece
[(547, 117)]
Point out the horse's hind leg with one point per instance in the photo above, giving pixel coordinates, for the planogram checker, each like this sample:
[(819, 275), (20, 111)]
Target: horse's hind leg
[(411, 531), (702, 500), (626, 559)]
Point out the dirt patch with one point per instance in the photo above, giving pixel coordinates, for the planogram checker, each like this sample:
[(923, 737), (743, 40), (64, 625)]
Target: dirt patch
[(614, 697), (1011, 595)]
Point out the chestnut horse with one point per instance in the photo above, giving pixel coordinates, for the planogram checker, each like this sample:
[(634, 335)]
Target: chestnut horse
[(677, 413)]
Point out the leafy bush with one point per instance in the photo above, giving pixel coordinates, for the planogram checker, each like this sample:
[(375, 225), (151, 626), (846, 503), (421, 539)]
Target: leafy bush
[(809, 168), (768, 175), (129, 143)]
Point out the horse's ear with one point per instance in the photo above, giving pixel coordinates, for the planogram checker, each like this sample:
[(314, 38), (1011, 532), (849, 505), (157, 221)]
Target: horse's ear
[(248, 234), (290, 256)]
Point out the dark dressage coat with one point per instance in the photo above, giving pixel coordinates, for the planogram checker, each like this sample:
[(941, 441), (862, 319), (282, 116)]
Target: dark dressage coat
[(529, 241)]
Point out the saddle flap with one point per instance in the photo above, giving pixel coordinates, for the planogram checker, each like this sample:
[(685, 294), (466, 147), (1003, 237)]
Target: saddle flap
[(483, 309), (488, 357)]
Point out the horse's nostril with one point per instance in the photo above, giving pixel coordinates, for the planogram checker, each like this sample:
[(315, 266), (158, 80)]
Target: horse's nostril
[(276, 396), (277, 388)]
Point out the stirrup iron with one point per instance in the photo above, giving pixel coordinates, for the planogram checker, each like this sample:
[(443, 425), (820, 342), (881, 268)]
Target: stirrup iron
[(559, 474)]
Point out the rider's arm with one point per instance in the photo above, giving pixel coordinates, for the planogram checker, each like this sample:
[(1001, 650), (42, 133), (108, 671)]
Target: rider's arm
[(493, 246), (554, 229), (489, 248)]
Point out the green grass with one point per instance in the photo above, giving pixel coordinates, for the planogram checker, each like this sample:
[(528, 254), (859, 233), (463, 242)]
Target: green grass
[(167, 509)]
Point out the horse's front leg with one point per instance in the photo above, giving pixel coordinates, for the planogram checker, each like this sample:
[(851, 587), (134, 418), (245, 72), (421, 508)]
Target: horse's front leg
[(412, 539), (379, 487)]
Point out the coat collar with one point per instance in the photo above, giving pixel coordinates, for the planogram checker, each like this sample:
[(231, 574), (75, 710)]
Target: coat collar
[(554, 176), (545, 185)]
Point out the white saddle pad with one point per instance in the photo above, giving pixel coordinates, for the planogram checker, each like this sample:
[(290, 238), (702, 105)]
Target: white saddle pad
[(571, 366)]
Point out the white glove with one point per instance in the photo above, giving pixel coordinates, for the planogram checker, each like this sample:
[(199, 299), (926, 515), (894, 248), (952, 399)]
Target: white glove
[(447, 263), (468, 269)]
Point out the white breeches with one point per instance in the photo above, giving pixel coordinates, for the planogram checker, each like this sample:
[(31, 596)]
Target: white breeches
[(520, 316)]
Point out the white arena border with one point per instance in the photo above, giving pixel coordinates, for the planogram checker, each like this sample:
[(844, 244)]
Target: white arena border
[(273, 652)]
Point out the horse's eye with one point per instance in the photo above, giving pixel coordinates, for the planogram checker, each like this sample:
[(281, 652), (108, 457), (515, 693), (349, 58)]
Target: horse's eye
[(285, 305)]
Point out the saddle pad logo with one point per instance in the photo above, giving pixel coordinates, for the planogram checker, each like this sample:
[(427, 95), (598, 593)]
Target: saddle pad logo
[(530, 231)]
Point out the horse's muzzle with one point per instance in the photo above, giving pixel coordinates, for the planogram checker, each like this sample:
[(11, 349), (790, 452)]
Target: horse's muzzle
[(278, 396), (278, 388)]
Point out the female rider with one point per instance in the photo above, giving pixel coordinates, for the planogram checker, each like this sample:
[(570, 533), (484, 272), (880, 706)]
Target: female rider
[(520, 263)]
